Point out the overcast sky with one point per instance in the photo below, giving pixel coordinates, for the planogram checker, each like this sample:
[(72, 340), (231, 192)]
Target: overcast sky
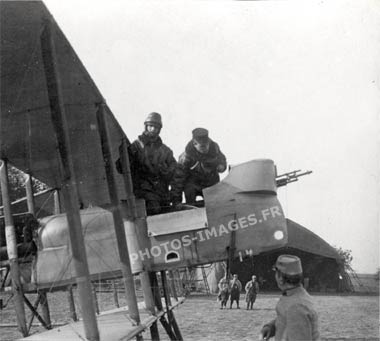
[(293, 81)]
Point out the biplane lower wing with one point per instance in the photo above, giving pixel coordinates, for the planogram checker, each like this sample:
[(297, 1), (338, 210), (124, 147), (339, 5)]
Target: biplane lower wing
[(113, 325)]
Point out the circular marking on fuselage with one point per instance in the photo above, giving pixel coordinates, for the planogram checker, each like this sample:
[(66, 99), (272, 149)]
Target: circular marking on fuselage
[(278, 235)]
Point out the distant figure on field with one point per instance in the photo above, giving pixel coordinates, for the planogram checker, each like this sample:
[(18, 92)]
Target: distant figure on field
[(152, 166), (296, 318), (251, 290), (235, 288), (198, 167), (224, 291)]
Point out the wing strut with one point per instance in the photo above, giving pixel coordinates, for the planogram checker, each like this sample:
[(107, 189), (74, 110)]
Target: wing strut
[(69, 189), (125, 263), (42, 296), (10, 235)]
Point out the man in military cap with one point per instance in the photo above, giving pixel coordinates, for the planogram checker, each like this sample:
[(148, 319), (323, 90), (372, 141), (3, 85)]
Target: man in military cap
[(224, 291), (296, 318), (251, 290), (152, 166), (235, 288), (198, 167)]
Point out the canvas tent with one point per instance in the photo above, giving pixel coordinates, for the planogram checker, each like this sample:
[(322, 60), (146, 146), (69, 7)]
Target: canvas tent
[(321, 263)]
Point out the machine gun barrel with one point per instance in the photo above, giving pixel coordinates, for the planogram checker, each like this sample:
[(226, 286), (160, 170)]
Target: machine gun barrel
[(286, 178), (288, 174)]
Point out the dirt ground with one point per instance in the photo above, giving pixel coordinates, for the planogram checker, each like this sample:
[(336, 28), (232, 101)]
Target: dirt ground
[(341, 318), (199, 318)]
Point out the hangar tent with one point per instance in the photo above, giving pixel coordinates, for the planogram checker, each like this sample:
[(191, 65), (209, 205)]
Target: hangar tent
[(322, 265)]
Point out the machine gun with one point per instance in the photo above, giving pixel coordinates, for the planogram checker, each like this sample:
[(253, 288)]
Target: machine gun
[(284, 179)]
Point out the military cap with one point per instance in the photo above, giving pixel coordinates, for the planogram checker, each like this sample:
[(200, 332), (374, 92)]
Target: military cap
[(288, 265), (200, 134)]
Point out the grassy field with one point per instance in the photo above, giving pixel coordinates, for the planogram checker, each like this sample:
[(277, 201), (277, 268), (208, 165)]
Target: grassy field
[(199, 318)]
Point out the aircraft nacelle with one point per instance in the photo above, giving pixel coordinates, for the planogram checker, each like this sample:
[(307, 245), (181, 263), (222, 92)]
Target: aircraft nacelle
[(242, 216)]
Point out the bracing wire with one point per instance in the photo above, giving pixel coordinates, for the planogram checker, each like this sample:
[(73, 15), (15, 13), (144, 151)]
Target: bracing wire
[(43, 204)]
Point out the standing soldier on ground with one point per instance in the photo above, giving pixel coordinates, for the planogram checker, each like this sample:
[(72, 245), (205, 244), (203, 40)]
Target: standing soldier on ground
[(224, 291), (296, 318), (198, 167), (251, 290), (235, 289), (152, 166)]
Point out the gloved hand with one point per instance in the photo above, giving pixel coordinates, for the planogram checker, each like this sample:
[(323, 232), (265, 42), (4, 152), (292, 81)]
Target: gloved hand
[(162, 169), (267, 332), (220, 168)]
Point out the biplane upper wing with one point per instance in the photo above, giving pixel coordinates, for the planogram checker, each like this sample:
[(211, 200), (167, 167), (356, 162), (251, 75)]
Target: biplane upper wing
[(27, 137)]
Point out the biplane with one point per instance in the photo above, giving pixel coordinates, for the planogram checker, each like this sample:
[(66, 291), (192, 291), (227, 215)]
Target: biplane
[(56, 126)]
